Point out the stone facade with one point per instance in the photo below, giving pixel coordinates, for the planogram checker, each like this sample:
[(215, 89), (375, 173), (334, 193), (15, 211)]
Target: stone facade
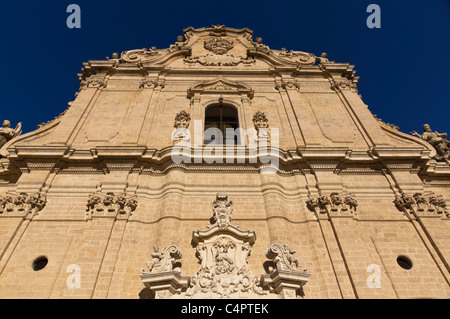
[(92, 204)]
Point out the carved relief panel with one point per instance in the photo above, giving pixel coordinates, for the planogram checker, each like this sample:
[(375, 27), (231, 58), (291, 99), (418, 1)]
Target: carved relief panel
[(223, 251)]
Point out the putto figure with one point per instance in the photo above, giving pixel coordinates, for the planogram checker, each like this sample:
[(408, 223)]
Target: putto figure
[(7, 133), (437, 140)]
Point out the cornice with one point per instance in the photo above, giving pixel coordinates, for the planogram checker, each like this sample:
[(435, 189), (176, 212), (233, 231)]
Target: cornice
[(304, 160)]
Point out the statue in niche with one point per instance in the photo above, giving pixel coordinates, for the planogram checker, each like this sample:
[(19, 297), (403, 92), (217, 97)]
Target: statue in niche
[(7, 133), (437, 140)]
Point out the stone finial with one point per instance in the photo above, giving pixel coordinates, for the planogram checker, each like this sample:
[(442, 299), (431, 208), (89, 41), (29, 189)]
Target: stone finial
[(437, 140), (7, 133)]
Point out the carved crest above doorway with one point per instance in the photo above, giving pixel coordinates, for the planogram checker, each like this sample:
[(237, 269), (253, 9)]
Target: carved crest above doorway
[(223, 251)]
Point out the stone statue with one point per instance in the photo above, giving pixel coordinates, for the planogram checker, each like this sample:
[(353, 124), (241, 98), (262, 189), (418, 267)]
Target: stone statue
[(7, 133), (437, 140), (323, 59)]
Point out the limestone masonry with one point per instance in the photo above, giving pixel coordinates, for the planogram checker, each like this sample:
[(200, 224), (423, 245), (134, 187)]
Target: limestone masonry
[(94, 204)]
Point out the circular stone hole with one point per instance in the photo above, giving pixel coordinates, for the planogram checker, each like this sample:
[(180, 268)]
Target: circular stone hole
[(40, 263), (404, 262)]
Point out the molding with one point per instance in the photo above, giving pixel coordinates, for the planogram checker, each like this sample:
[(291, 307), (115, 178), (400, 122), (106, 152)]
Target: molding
[(220, 86)]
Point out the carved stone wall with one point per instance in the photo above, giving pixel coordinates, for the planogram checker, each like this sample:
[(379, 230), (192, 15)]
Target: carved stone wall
[(97, 187), (223, 251)]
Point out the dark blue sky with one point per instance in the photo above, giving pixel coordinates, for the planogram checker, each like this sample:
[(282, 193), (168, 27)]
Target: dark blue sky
[(404, 67)]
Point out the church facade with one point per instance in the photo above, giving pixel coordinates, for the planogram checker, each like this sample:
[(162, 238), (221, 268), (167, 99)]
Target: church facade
[(222, 168)]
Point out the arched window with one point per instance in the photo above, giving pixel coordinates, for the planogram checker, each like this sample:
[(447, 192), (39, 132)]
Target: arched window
[(220, 117)]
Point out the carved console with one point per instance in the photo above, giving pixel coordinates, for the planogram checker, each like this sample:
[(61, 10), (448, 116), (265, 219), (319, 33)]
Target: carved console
[(223, 251), (335, 205), (110, 205), (22, 205), (420, 205)]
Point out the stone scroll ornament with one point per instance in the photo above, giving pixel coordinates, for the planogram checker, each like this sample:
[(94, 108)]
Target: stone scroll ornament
[(164, 261), (7, 133), (298, 56), (283, 257), (219, 47), (437, 140)]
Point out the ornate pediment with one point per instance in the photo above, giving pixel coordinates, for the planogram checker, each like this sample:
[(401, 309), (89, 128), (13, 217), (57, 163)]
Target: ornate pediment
[(220, 86), (218, 46)]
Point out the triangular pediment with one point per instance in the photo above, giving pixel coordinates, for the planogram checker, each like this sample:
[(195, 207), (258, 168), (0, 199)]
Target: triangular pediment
[(220, 86)]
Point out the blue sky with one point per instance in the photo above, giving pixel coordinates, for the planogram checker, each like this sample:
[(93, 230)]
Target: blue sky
[(404, 67)]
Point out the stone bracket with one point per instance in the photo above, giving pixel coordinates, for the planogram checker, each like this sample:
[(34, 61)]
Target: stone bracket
[(285, 283)]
